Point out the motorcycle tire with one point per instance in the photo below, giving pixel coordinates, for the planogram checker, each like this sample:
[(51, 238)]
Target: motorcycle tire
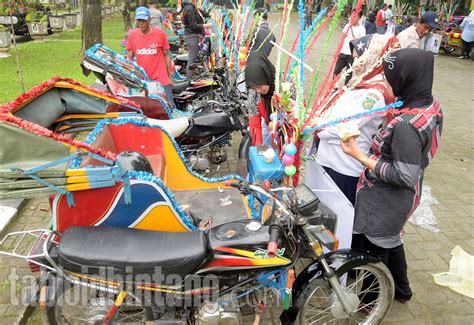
[(448, 50), (326, 308), (243, 158), (68, 300)]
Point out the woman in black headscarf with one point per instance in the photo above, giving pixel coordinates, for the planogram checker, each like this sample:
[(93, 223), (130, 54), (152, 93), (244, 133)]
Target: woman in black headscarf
[(260, 82), (389, 188)]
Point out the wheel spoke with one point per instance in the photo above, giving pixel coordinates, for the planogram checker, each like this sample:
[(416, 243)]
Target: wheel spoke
[(89, 306), (365, 286)]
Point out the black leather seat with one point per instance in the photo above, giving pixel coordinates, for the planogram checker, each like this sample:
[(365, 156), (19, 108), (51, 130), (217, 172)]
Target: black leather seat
[(141, 250), (180, 86)]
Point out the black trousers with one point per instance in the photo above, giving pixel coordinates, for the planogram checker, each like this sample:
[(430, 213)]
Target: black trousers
[(393, 258), (343, 61), (466, 48), (347, 184)]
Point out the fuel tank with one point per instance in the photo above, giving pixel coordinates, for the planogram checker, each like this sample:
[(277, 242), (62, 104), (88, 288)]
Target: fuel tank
[(242, 245)]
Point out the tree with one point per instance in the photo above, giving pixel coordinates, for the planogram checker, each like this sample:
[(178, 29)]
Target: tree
[(91, 23), (126, 15)]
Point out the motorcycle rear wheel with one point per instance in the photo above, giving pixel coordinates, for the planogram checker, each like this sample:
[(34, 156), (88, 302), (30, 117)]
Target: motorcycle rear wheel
[(318, 303), (78, 304)]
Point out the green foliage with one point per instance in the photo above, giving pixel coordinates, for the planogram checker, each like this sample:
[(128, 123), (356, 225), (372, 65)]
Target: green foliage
[(36, 16), (58, 55)]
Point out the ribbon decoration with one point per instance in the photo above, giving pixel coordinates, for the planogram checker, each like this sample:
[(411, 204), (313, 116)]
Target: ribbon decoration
[(386, 109)]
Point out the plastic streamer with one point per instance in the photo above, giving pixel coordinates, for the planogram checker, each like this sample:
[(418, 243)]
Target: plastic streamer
[(341, 43), (284, 24), (330, 99), (267, 37), (300, 88), (332, 27), (307, 37), (321, 28), (379, 110)]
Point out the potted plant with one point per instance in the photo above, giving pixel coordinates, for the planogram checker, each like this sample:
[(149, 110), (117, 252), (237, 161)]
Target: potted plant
[(5, 37), (56, 21), (38, 24), (71, 20), (109, 11), (71, 17)]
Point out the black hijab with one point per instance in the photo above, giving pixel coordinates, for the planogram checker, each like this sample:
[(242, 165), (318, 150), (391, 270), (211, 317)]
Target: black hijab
[(260, 71), (410, 73)]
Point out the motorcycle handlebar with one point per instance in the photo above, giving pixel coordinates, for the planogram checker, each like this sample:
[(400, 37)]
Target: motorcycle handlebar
[(272, 247), (275, 228), (247, 188)]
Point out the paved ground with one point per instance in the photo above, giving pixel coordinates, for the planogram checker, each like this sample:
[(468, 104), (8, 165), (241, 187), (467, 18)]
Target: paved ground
[(450, 175)]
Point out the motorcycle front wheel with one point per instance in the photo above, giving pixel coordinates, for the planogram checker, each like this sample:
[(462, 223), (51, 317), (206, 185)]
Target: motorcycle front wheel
[(370, 292), (76, 304)]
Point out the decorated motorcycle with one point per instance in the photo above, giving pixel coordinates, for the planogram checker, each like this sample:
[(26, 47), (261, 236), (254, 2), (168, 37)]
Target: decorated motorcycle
[(124, 77), (451, 39), (119, 227), (68, 107)]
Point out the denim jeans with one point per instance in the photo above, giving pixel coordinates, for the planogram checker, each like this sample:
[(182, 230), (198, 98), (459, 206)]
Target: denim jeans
[(381, 29), (192, 44)]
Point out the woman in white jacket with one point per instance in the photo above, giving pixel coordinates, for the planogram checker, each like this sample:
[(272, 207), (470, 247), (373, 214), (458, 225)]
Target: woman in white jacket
[(373, 93)]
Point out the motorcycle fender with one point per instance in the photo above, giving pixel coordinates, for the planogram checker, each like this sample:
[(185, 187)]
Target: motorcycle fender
[(244, 146), (341, 261)]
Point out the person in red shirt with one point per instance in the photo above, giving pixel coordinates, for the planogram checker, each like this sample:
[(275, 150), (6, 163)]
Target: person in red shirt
[(149, 45), (380, 21)]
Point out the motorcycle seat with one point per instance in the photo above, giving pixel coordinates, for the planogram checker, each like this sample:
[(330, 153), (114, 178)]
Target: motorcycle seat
[(134, 251), (182, 57), (175, 127), (180, 85), (173, 39)]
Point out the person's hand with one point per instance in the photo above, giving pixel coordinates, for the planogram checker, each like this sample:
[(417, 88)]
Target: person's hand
[(350, 148), (208, 25)]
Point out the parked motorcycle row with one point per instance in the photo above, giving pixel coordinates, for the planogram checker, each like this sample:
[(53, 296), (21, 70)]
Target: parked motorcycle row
[(138, 237), (209, 108)]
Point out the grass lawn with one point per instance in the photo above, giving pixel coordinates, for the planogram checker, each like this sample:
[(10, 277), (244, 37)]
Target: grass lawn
[(54, 55)]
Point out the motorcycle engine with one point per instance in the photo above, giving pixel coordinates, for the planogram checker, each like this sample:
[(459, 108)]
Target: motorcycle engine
[(198, 162), (202, 159), (212, 313), (218, 154)]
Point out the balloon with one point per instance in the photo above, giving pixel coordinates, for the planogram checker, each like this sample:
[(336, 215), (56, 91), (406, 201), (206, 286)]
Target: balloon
[(273, 116), (290, 149), (290, 170), (242, 56), (288, 160), (270, 125)]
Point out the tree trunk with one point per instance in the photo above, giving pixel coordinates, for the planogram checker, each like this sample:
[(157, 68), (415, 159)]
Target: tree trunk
[(141, 3), (91, 23), (126, 15)]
